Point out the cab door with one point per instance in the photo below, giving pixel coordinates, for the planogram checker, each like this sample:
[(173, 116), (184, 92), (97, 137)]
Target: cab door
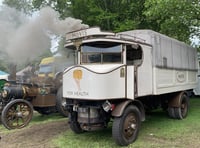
[(133, 61)]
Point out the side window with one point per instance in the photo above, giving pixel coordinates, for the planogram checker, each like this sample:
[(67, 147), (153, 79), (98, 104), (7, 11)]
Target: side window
[(133, 55), (129, 55)]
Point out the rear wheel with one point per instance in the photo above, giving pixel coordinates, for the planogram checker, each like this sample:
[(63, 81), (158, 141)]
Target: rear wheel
[(17, 114), (182, 110), (171, 112), (125, 128)]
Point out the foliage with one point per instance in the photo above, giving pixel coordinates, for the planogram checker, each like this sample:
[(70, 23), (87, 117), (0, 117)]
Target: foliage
[(175, 18), (178, 19), (112, 15)]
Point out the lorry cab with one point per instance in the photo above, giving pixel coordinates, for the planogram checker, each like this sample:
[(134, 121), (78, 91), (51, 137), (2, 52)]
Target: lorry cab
[(103, 64), (103, 83), (46, 67), (51, 66)]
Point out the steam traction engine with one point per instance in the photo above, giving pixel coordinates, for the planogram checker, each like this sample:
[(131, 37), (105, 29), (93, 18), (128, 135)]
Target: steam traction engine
[(17, 101)]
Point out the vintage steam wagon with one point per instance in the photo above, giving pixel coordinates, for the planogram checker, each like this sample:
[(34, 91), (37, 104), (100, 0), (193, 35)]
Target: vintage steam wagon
[(42, 93), (18, 100), (120, 76)]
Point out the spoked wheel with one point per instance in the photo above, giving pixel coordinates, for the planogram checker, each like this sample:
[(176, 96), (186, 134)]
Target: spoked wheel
[(17, 114), (125, 128)]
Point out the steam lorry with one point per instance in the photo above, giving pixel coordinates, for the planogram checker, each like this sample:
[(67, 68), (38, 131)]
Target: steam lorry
[(120, 76), (50, 74), (42, 92)]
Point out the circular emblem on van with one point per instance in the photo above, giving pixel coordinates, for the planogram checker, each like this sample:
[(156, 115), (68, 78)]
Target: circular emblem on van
[(180, 76)]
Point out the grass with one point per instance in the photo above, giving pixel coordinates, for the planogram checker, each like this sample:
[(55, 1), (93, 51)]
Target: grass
[(37, 119), (157, 131)]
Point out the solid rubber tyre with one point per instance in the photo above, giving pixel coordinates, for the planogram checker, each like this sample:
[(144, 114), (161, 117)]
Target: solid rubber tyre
[(125, 128), (171, 112), (74, 125), (181, 112)]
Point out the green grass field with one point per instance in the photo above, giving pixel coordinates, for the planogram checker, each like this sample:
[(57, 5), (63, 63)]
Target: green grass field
[(157, 131)]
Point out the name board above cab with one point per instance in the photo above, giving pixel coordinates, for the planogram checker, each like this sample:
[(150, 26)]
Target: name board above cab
[(94, 31)]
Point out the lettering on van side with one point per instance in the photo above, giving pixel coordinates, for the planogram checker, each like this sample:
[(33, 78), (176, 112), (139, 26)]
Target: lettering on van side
[(77, 93)]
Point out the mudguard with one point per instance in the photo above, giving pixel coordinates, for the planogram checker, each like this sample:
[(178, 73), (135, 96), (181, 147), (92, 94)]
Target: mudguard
[(119, 108)]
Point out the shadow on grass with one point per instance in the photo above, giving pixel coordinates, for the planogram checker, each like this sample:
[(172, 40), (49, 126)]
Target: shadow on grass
[(42, 118)]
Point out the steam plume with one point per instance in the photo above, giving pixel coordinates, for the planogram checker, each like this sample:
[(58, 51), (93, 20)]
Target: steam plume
[(31, 37)]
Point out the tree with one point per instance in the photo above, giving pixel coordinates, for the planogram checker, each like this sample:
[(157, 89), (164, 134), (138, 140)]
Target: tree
[(115, 15), (112, 15), (175, 18)]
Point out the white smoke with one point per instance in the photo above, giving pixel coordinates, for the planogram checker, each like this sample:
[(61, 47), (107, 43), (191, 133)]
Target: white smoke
[(30, 37)]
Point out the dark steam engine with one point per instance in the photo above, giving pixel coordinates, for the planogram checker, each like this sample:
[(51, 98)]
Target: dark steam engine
[(18, 100), (12, 91)]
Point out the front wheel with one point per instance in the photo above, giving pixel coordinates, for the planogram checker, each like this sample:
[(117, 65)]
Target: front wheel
[(74, 125), (17, 114), (125, 128)]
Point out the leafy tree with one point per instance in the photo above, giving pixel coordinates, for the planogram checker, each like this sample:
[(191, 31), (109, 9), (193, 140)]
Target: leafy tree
[(115, 15), (178, 19), (175, 18)]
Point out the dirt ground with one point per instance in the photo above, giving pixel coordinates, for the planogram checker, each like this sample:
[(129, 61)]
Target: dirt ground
[(35, 136)]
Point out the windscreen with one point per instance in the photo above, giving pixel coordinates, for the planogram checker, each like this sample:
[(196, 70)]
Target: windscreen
[(101, 52), (45, 69)]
